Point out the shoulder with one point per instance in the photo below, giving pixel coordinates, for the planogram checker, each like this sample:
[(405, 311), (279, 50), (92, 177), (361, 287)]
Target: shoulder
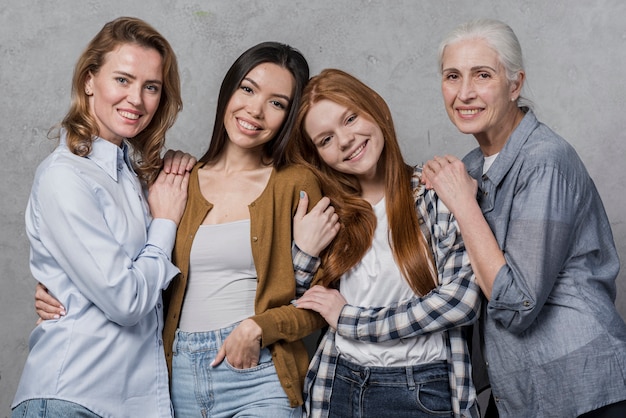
[(420, 194), (546, 150), (295, 175), (61, 167)]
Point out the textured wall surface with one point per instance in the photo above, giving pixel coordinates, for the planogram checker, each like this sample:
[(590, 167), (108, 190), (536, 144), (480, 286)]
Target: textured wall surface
[(575, 59)]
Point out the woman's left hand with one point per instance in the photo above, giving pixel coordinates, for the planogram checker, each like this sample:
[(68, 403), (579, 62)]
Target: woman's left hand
[(178, 162), (242, 347), (327, 302)]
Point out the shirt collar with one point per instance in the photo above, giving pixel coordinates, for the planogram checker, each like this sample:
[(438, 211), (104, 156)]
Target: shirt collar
[(108, 156), (508, 154)]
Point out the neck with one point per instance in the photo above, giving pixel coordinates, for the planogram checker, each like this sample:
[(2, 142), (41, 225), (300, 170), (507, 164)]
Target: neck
[(492, 143), (372, 191), (237, 159)]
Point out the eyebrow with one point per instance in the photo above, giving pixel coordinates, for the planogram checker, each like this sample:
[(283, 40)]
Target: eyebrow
[(473, 69), (132, 77), (255, 84)]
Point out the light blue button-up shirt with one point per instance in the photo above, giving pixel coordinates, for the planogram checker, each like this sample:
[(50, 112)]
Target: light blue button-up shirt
[(553, 339), (96, 248)]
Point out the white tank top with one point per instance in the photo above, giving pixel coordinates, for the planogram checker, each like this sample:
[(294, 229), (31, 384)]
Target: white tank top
[(221, 286), (374, 282)]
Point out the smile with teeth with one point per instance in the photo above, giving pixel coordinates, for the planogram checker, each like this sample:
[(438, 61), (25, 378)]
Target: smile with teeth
[(357, 151), (468, 112), (247, 125), (129, 115)]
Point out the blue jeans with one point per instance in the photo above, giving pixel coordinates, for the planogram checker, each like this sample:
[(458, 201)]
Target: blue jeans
[(412, 391), (51, 408), (200, 390)]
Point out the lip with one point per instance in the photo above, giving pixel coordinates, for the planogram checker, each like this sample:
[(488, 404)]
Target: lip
[(248, 126), (468, 112), (357, 152), (129, 115)]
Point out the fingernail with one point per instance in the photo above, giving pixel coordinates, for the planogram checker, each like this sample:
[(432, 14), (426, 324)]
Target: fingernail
[(56, 316), (294, 302), (301, 194)]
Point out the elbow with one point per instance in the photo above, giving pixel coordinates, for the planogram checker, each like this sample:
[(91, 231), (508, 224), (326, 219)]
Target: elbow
[(123, 319), (125, 313), (514, 320)]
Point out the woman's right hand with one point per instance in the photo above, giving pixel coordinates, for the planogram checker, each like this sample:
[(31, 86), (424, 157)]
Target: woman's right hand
[(46, 306), (449, 178), (167, 196), (313, 231)]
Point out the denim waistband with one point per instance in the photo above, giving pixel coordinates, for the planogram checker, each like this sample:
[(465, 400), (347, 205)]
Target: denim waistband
[(411, 374), (201, 341)]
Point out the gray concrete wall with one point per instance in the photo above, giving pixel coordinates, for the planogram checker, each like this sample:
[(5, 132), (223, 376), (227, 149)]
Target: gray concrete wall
[(575, 58)]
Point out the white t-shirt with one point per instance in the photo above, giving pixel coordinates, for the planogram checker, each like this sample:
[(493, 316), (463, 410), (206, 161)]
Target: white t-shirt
[(376, 281)]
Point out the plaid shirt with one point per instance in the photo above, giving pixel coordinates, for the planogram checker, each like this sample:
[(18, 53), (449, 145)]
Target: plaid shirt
[(452, 305)]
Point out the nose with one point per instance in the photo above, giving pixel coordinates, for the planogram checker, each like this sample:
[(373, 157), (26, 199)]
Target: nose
[(466, 90), (135, 95), (254, 107), (345, 138)]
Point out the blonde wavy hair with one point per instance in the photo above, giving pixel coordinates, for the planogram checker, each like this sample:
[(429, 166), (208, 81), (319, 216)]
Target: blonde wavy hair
[(81, 126)]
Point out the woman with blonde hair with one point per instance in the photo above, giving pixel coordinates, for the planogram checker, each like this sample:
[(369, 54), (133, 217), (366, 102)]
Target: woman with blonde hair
[(97, 243)]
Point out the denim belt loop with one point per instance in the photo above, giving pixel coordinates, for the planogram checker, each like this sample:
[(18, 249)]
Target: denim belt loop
[(409, 377)]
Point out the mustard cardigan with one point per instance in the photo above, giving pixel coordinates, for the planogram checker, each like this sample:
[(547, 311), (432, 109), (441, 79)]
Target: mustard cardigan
[(283, 325)]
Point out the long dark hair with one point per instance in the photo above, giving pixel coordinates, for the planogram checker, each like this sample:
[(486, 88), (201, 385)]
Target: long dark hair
[(267, 52)]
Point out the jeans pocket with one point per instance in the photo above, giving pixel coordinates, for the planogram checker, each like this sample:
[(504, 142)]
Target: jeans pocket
[(434, 396), (265, 361)]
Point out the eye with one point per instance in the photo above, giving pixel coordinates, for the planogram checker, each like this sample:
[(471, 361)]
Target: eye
[(122, 80), (153, 88), (484, 76), (278, 104), (351, 119), (325, 141), (247, 89)]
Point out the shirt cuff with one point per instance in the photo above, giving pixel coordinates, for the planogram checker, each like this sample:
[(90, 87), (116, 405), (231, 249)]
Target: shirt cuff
[(162, 234), (302, 261)]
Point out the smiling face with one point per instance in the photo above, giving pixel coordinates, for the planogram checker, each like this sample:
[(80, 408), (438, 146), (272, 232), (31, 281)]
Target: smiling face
[(346, 140), (125, 93), (258, 108), (478, 97)]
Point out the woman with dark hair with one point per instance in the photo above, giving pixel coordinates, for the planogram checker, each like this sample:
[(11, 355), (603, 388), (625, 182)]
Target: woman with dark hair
[(232, 338), (397, 284), (99, 246)]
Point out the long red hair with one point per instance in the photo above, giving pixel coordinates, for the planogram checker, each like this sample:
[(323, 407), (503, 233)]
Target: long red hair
[(409, 247)]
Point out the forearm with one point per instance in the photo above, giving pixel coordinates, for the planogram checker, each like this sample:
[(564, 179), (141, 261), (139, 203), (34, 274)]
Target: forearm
[(485, 255)]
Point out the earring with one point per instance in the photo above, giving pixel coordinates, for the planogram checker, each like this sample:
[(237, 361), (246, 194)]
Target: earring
[(88, 92)]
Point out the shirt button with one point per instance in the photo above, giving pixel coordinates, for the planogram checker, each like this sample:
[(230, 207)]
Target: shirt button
[(255, 239), (160, 342), (526, 303), (159, 305)]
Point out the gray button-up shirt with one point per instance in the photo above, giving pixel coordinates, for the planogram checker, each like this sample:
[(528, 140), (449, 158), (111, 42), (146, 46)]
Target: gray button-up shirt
[(554, 342)]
